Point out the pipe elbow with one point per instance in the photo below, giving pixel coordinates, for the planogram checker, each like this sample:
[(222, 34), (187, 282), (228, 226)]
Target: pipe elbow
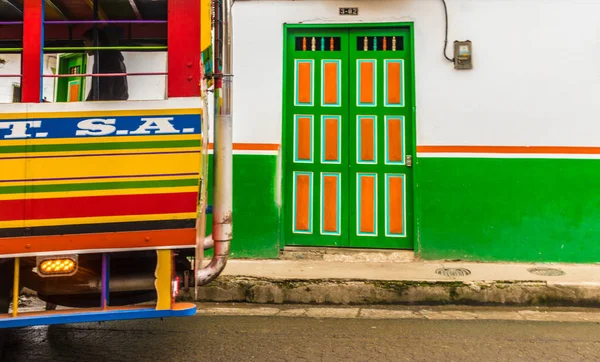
[(216, 265)]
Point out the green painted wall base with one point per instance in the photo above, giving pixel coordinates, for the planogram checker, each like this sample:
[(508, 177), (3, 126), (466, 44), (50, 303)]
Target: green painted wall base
[(255, 212), (527, 210), (514, 210)]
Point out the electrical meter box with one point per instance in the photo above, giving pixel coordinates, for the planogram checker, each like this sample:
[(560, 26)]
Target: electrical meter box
[(463, 55)]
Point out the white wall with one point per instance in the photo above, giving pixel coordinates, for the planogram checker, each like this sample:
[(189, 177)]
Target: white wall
[(49, 84), (12, 66), (536, 76), (146, 87)]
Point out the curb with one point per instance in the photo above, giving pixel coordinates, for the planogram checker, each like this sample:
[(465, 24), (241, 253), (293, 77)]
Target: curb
[(378, 292), (422, 313)]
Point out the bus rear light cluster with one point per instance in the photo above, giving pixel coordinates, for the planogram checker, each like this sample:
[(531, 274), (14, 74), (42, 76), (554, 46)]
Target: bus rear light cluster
[(57, 265), (176, 283)]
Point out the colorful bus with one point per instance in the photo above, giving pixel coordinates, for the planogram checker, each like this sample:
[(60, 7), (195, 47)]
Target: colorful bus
[(104, 154)]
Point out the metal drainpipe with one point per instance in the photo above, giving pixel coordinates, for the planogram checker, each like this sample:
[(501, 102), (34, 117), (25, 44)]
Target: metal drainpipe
[(223, 161), (209, 243)]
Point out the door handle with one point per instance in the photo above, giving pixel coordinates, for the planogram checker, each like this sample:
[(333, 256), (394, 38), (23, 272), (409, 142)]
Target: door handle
[(409, 161)]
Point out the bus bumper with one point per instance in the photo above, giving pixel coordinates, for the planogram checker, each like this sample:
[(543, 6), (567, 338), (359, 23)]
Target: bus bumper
[(87, 315)]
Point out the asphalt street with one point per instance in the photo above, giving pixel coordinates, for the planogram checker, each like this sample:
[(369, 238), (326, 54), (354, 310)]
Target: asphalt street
[(277, 338)]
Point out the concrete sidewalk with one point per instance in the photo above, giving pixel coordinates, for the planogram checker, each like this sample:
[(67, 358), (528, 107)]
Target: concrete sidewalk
[(403, 281), (457, 313)]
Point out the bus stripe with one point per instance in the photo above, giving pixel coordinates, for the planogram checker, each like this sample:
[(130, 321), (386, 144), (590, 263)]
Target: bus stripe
[(123, 240), (98, 186), (95, 153), (99, 221), (99, 146), (100, 139), (95, 206), (81, 179), (109, 192), (87, 228), (104, 154), (70, 167), (105, 113)]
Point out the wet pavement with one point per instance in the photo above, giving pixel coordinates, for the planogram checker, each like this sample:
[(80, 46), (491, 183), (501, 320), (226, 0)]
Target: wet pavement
[(277, 338)]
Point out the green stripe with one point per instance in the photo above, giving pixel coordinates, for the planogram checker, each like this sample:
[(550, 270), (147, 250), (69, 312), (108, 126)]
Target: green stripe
[(11, 50), (98, 186), (100, 146)]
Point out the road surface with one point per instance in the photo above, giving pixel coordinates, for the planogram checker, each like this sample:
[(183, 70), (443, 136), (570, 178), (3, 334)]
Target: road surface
[(276, 338)]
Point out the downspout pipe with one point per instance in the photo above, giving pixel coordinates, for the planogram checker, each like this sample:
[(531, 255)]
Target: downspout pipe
[(223, 149), (209, 243)]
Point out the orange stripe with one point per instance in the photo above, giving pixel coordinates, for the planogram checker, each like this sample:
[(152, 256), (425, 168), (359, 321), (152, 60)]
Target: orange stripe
[(251, 146), (304, 82), (119, 240), (393, 79), (331, 83), (304, 138), (395, 140), (366, 82), (331, 139), (367, 139), (396, 205), (367, 204), (511, 149), (330, 209), (302, 202)]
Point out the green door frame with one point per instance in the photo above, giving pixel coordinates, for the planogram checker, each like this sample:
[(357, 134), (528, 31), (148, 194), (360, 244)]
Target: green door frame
[(416, 196), (62, 68)]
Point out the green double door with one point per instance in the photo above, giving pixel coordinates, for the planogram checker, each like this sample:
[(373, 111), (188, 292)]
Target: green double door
[(348, 138)]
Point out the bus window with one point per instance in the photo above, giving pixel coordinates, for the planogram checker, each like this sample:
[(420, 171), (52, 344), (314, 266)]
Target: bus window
[(106, 60), (11, 46)]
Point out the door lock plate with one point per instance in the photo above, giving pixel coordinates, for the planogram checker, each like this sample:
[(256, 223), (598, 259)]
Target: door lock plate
[(409, 161)]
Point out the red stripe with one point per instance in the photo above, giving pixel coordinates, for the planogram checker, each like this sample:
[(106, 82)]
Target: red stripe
[(97, 206), (12, 210)]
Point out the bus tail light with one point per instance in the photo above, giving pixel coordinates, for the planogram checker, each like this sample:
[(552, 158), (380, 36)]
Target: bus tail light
[(176, 283), (57, 265)]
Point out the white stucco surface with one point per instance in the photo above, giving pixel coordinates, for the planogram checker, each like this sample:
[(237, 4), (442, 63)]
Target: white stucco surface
[(536, 76), (12, 65)]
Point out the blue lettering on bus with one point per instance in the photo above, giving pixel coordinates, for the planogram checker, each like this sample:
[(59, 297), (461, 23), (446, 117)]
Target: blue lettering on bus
[(100, 126)]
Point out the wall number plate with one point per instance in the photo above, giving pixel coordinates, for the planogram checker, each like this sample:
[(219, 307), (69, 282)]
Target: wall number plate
[(348, 11)]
